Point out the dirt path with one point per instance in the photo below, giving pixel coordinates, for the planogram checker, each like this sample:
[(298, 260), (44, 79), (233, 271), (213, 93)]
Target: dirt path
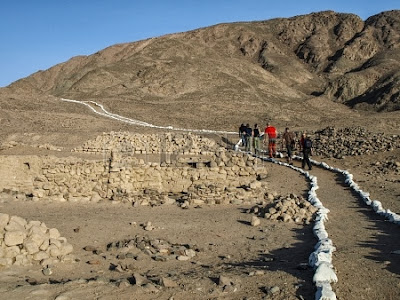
[(364, 242), (99, 109)]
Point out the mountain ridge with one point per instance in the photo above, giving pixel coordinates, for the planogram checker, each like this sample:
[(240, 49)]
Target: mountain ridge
[(265, 69)]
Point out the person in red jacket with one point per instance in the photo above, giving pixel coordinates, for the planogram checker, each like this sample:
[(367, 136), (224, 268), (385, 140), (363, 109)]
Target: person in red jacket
[(270, 133)]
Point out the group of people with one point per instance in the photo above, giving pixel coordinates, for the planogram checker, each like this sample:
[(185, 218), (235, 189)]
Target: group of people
[(252, 137)]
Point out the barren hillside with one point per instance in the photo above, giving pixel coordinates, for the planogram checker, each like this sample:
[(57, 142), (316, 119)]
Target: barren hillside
[(301, 71)]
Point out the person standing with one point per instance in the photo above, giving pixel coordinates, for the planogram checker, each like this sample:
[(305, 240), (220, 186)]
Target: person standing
[(306, 147), (288, 141), (256, 138), (242, 134), (270, 133), (249, 135)]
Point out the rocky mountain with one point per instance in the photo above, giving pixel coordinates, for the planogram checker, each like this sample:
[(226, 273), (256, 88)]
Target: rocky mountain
[(279, 68)]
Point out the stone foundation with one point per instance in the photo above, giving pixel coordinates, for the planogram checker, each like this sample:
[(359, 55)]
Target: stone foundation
[(199, 172)]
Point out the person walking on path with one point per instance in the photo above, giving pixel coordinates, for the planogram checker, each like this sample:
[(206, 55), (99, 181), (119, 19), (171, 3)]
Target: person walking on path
[(256, 138), (288, 141), (306, 147), (270, 133), (249, 134)]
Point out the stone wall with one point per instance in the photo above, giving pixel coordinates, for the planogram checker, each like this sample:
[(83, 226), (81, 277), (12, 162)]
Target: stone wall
[(171, 143), (226, 177), (142, 170)]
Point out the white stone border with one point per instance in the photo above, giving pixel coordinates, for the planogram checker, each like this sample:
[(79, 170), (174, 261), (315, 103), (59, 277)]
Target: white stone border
[(103, 112), (321, 258), (365, 196)]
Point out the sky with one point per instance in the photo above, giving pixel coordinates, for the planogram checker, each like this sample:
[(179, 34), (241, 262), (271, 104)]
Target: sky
[(38, 34)]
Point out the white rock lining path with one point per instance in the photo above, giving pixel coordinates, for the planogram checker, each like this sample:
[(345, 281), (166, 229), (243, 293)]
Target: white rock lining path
[(100, 110), (321, 258)]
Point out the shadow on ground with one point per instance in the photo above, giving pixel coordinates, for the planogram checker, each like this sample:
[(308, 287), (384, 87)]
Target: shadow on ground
[(385, 244), (291, 259)]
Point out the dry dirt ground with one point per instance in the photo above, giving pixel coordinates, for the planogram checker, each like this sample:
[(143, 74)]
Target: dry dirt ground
[(264, 262)]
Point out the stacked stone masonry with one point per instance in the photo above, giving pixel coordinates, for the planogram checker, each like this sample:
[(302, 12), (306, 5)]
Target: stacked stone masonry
[(170, 143), (227, 177), (189, 170)]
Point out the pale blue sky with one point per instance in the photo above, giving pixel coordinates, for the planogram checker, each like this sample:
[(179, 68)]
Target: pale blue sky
[(37, 34)]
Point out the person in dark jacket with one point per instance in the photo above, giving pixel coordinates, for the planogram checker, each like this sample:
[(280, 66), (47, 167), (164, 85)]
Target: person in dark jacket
[(249, 137), (242, 134), (288, 141), (256, 138), (306, 147)]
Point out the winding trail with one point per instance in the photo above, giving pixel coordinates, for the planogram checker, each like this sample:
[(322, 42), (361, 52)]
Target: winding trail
[(367, 256), (364, 242), (100, 110)]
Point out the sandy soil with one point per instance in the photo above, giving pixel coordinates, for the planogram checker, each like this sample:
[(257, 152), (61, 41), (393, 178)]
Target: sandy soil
[(264, 262)]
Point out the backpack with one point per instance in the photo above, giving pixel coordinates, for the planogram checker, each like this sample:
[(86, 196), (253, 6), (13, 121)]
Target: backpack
[(307, 143)]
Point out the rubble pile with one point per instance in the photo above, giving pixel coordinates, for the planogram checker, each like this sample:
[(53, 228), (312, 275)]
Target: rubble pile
[(351, 141), (12, 144), (291, 208), (390, 166), (157, 249), (25, 243)]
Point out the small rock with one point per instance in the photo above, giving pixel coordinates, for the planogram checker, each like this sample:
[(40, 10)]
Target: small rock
[(90, 248), (47, 271), (148, 226), (274, 290), (182, 257), (93, 262), (167, 282), (224, 281), (102, 279), (255, 221), (62, 297), (123, 283), (159, 258), (119, 268), (140, 280)]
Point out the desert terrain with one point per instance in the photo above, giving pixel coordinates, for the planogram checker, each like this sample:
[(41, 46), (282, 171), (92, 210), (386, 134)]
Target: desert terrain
[(97, 206)]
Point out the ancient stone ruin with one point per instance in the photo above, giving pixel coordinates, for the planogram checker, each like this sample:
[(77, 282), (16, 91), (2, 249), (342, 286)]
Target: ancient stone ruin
[(145, 170)]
